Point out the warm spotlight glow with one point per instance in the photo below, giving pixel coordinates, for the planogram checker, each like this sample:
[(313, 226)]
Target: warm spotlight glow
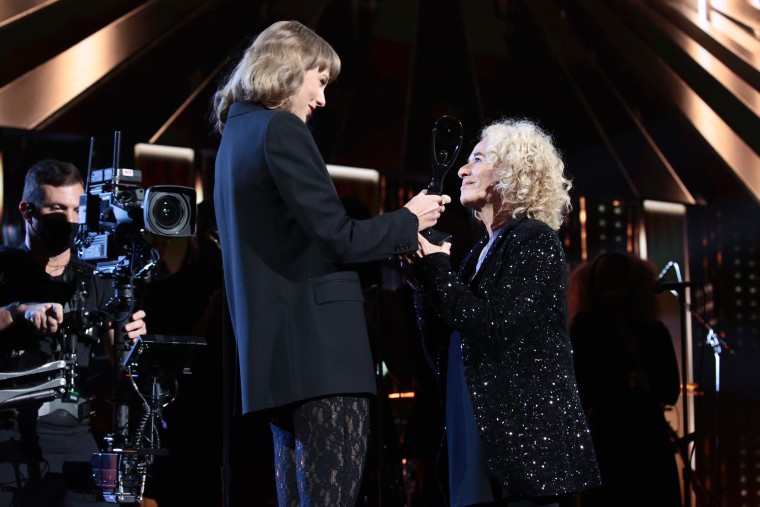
[(358, 174), (723, 73), (666, 208), (168, 152), (396, 396), (357, 182), (703, 9), (33, 99), (199, 187), (10, 12), (582, 219), (30, 100), (739, 156)]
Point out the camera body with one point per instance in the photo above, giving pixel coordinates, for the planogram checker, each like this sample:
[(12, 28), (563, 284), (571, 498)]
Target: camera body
[(116, 212)]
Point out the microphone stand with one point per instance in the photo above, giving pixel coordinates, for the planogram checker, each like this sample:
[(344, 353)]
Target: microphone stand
[(678, 288), (718, 345), (687, 437)]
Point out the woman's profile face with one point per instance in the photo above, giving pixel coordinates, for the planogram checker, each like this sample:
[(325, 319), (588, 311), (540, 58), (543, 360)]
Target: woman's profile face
[(478, 179), (311, 95)]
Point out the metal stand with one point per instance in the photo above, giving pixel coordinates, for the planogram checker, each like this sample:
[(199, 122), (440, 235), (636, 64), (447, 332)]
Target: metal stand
[(718, 346), (687, 437), (690, 480), (120, 308), (51, 383)]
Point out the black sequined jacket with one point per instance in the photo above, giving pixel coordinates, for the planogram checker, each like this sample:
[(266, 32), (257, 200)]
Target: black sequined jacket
[(517, 356)]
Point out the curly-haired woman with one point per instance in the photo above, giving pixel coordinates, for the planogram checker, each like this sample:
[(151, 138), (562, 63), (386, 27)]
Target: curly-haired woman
[(516, 432)]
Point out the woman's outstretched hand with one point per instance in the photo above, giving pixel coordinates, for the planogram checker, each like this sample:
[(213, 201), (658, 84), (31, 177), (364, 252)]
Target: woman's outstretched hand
[(425, 248)]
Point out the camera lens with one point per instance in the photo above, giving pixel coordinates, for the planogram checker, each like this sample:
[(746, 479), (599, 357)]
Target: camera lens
[(168, 214), (168, 211)]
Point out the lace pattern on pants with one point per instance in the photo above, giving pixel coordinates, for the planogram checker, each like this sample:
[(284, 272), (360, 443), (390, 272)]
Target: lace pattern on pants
[(319, 452)]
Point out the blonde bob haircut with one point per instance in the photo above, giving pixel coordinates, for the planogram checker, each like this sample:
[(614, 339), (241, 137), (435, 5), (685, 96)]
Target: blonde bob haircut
[(529, 171), (272, 69)]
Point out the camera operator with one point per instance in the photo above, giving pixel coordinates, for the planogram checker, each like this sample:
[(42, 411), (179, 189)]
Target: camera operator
[(46, 447)]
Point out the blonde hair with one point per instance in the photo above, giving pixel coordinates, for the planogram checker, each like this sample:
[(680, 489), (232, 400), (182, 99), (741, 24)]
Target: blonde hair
[(272, 69), (529, 170)]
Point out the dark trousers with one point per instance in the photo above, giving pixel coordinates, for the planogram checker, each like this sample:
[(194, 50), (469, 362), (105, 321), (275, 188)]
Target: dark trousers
[(47, 465)]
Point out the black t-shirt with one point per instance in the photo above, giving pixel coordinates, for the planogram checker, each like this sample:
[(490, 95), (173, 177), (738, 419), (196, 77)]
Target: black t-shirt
[(22, 279)]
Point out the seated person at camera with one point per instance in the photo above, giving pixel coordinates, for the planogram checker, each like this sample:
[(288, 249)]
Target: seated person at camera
[(47, 446)]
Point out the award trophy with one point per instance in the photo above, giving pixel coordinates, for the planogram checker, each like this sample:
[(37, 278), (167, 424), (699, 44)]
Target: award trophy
[(446, 141)]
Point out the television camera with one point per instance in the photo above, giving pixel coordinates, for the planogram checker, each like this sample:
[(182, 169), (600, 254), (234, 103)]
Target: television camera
[(116, 212), (115, 216)]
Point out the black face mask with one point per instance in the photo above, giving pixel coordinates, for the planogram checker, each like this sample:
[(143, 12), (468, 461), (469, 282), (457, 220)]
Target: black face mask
[(55, 234)]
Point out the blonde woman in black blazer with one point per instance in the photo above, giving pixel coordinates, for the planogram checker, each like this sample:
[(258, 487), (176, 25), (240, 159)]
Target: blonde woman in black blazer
[(298, 318)]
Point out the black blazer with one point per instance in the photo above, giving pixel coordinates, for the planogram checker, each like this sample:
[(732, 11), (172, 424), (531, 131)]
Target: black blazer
[(298, 318)]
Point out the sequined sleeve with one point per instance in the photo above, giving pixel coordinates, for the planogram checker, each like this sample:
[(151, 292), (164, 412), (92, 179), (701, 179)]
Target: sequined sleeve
[(531, 279)]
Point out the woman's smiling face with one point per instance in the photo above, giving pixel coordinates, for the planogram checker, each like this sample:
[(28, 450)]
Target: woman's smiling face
[(478, 179), (311, 95)]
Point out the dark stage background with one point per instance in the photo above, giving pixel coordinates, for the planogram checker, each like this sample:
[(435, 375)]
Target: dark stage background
[(654, 104)]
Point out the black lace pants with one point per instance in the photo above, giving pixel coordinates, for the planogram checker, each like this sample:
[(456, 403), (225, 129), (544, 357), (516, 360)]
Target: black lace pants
[(319, 452)]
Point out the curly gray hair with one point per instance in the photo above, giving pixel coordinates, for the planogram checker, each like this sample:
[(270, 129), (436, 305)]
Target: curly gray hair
[(529, 170)]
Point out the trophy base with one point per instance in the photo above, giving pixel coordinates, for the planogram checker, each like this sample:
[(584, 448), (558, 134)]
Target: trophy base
[(436, 237)]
